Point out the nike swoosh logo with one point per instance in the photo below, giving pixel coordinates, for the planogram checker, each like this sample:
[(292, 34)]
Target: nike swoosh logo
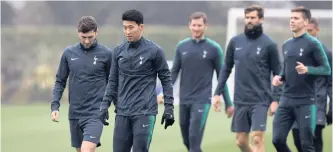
[(74, 59)]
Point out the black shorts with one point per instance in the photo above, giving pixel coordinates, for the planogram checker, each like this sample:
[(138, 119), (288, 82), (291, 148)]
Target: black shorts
[(249, 118), (88, 129)]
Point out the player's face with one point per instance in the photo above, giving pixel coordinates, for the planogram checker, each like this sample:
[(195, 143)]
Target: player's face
[(297, 22), (252, 19), (312, 29), (197, 27), (132, 30), (87, 39)]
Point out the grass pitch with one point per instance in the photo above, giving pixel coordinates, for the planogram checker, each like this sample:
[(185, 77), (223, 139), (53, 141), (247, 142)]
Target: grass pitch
[(29, 128)]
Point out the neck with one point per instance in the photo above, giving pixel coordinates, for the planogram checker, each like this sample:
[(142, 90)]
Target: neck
[(137, 40), (299, 33), (200, 38)]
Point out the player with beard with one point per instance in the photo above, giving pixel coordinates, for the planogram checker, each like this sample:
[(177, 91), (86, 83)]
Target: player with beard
[(197, 57), (255, 57)]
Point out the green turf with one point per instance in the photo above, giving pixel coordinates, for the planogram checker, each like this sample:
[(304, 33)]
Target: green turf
[(30, 129)]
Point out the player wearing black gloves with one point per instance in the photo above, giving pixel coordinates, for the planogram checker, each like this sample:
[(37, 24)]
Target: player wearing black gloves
[(135, 66)]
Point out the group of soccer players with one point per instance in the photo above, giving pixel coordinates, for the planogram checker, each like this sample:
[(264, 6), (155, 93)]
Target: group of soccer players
[(127, 75)]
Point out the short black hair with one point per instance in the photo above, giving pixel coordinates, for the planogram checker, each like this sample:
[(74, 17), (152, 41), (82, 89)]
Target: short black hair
[(133, 15), (306, 12), (87, 24), (257, 8)]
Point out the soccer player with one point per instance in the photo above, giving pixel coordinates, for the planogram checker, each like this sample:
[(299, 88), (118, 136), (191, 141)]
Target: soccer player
[(304, 61), (197, 57), (256, 58), (87, 64), (135, 66), (323, 83)]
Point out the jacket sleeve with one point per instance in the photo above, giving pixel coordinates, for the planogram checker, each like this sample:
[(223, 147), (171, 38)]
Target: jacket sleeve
[(60, 82), (321, 58), (176, 66), (164, 75), (218, 62), (226, 69), (108, 66), (110, 94)]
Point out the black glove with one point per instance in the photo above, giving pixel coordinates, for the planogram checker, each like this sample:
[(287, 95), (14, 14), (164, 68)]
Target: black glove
[(169, 120), (103, 116), (329, 118)]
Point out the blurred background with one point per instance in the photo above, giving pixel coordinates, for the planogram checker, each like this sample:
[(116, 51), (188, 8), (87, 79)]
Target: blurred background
[(34, 35)]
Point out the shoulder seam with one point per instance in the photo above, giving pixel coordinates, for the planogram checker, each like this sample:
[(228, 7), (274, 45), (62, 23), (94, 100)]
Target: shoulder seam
[(183, 41)]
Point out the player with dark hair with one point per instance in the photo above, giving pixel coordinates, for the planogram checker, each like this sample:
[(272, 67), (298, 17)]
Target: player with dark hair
[(323, 89), (304, 61), (197, 57), (135, 66), (87, 64), (255, 56)]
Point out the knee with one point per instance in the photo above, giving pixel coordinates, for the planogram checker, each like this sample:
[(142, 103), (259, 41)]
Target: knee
[(87, 149), (241, 141), (257, 139), (88, 146), (278, 140)]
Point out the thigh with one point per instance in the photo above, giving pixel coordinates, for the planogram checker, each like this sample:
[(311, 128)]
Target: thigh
[(76, 133), (143, 128), (282, 122), (258, 117), (199, 115), (184, 114), (306, 116), (241, 121), (92, 130), (122, 134)]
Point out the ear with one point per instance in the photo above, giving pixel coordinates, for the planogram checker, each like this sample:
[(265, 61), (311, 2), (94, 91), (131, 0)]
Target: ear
[(261, 20), (306, 21), (141, 26), (97, 31)]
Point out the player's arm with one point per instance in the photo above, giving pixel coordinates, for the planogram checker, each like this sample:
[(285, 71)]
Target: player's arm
[(321, 58), (218, 63), (108, 65), (60, 82), (275, 68), (329, 89), (226, 69), (176, 65), (110, 94), (274, 59), (164, 75)]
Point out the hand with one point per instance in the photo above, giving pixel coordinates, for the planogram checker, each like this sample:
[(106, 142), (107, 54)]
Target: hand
[(277, 81), (329, 118), (169, 120), (160, 99), (230, 111), (301, 69), (55, 116), (272, 108), (104, 116), (217, 103)]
